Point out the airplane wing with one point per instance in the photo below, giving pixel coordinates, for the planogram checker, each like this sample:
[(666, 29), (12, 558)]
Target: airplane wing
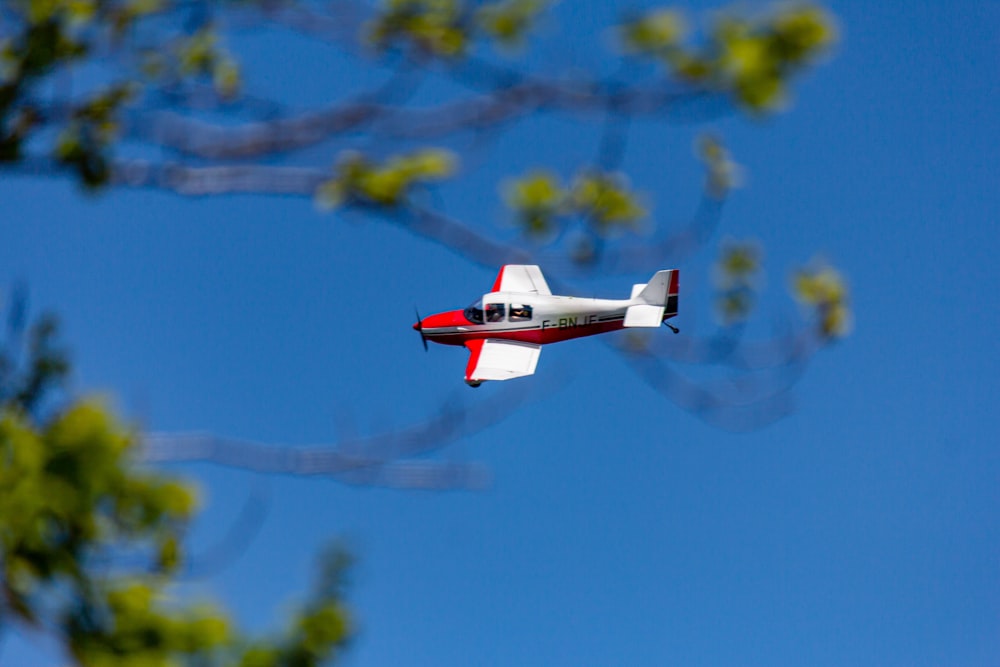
[(523, 278), (498, 359)]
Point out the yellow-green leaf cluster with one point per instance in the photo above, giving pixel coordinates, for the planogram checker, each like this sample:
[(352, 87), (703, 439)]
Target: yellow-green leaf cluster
[(822, 289), (756, 58), (655, 33), (750, 58), (319, 628), (78, 148), (137, 8), (42, 46), (137, 628), (508, 21), (359, 180), (739, 263), (41, 37), (537, 199), (201, 55), (736, 276), (84, 142), (607, 201), (434, 27), (101, 110), (71, 12), (322, 628), (67, 492), (72, 503), (540, 202)]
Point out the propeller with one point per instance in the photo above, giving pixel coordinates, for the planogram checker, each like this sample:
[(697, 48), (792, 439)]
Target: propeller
[(419, 328)]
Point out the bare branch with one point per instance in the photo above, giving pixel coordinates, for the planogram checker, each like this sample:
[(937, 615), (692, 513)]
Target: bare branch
[(476, 114), (230, 179), (379, 460), (736, 410)]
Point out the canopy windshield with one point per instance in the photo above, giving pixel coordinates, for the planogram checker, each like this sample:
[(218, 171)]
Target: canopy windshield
[(474, 313)]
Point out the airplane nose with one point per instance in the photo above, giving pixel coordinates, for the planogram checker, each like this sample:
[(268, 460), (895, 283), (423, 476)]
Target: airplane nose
[(418, 326)]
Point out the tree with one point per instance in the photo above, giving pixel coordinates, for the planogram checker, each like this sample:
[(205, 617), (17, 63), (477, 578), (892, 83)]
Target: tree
[(91, 544), (90, 90), (165, 80)]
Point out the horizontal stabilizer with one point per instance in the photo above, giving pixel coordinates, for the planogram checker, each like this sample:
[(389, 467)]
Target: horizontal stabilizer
[(643, 315)]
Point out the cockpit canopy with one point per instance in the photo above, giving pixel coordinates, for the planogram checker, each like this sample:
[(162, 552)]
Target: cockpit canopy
[(495, 312), (474, 313)]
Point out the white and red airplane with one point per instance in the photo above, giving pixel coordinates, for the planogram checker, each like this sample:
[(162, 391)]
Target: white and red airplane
[(506, 328)]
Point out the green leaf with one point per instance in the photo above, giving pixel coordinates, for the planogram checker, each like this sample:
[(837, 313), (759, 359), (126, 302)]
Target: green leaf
[(738, 265), (802, 33), (357, 180), (508, 21), (537, 200), (823, 290), (736, 275), (605, 199), (655, 32), (434, 27)]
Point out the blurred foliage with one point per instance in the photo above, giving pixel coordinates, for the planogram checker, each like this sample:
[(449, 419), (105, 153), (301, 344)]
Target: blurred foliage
[(822, 290), (537, 199), (358, 180), (750, 58), (40, 39), (85, 141), (607, 202), (200, 55), (33, 364), (146, 93), (655, 33), (448, 28), (154, 49), (541, 203), (722, 172), (508, 21), (736, 275), (91, 545), (432, 27)]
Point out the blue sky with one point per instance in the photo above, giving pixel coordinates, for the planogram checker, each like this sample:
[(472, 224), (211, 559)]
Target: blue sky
[(619, 529)]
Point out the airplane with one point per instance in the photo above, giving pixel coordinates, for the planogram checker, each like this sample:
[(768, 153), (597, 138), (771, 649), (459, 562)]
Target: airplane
[(505, 329)]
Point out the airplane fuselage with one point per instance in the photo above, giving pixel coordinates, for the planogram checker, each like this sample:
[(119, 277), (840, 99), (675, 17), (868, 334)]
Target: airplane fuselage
[(529, 318)]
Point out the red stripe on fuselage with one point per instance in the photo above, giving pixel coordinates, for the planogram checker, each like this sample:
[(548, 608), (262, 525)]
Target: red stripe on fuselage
[(537, 335)]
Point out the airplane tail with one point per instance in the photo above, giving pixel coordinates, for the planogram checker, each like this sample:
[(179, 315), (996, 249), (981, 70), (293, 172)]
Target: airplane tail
[(656, 300)]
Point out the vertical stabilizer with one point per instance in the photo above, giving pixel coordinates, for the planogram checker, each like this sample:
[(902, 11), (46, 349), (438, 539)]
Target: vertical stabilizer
[(656, 301)]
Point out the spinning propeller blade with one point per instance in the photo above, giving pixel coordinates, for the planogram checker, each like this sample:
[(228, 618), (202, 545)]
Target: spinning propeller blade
[(419, 328)]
